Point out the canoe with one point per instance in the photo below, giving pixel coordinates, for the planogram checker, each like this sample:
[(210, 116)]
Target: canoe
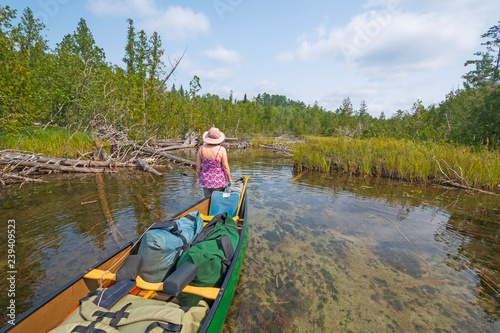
[(52, 311)]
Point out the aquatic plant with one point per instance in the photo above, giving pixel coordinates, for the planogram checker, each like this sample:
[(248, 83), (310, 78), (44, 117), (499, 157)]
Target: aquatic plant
[(49, 141), (401, 159)]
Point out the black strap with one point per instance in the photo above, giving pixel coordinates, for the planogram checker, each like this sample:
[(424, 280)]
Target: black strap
[(170, 222), (110, 296), (88, 329), (116, 316), (164, 224), (230, 226), (209, 227), (174, 230), (228, 249), (174, 262), (185, 246), (90, 294), (119, 315), (177, 232), (167, 327)]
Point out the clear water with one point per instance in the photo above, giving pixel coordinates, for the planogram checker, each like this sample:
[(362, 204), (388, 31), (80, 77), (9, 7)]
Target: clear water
[(326, 253)]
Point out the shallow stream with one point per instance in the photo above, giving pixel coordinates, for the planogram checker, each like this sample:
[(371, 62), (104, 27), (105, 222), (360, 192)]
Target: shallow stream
[(326, 253)]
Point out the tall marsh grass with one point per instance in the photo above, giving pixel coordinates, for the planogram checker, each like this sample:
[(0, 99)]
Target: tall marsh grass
[(55, 142), (401, 159)]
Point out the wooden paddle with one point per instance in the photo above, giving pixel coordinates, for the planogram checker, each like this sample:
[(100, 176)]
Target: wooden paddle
[(206, 292)]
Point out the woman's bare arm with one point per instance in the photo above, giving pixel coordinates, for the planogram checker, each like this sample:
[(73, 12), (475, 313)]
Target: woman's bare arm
[(225, 165), (198, 162)]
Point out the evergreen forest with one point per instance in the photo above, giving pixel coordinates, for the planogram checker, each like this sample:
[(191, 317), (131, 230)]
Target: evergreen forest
[(73, 86)]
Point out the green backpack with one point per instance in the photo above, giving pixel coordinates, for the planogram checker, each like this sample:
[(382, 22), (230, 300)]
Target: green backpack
[(212, 252)]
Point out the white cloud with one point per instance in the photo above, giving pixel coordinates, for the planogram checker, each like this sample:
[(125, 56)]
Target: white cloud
[(391, 41), (121, 7), (192, 67), (220, 90), (269, 87), (215, 74), (179, 23), (174, 22), (220, 53), (285, 57)]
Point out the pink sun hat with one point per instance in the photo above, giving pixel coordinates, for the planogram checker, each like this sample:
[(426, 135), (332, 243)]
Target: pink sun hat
[(213, 136)]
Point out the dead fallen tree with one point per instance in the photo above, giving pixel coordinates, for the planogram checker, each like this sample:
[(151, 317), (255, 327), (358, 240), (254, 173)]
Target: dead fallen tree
[(143, 165), (47, 166), (105, 209), (64, 161), (176, 147), (463, 187), (18, 165), (167, 143), (277, 149), (154, 152), (8, 178), (452, 183)]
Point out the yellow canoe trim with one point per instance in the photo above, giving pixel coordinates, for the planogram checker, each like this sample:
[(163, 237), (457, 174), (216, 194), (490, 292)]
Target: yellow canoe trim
[(206, 292)]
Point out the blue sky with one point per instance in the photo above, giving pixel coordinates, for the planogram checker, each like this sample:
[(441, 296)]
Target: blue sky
[(387, 52)]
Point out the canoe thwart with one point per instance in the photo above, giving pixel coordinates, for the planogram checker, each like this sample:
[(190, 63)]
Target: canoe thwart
[(206, 292)]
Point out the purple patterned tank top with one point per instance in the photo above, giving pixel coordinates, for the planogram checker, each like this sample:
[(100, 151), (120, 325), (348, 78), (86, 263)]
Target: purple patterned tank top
[(211, 174)]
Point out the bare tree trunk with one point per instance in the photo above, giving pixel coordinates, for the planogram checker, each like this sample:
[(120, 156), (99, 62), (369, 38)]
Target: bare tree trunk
[(105, 209), (167, 156), (13, 158), (142, 164), (496, 68), (57, 167), (139, 196)]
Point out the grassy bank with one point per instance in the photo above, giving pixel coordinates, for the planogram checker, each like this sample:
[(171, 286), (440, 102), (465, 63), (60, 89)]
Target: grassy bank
[(401, 159), (55, 142)]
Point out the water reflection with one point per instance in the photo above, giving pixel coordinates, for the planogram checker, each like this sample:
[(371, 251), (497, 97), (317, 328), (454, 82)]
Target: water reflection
[(325, 253)]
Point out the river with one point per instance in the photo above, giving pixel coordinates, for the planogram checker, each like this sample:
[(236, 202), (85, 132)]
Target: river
[(326, 252)]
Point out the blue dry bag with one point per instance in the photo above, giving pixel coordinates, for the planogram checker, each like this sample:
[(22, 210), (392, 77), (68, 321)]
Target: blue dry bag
[(162, 245), (224, 202)]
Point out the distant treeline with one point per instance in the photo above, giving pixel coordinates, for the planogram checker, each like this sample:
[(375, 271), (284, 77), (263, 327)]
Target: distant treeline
[(73, 86)]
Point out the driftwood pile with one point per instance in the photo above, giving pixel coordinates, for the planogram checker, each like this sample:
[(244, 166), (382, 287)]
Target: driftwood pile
[(282, 145), (277, 150), (22, 167), (26, 167)]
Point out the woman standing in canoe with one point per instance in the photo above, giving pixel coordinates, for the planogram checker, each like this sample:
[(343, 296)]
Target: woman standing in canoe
[(212, 167)]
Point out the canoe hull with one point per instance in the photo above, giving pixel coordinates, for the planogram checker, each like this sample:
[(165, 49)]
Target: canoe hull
[(50, 312)]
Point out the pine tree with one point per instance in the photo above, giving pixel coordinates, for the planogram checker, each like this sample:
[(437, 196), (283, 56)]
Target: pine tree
[(85, 46), (28, 36), (486, 72), (155, 64), (130, 49)]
